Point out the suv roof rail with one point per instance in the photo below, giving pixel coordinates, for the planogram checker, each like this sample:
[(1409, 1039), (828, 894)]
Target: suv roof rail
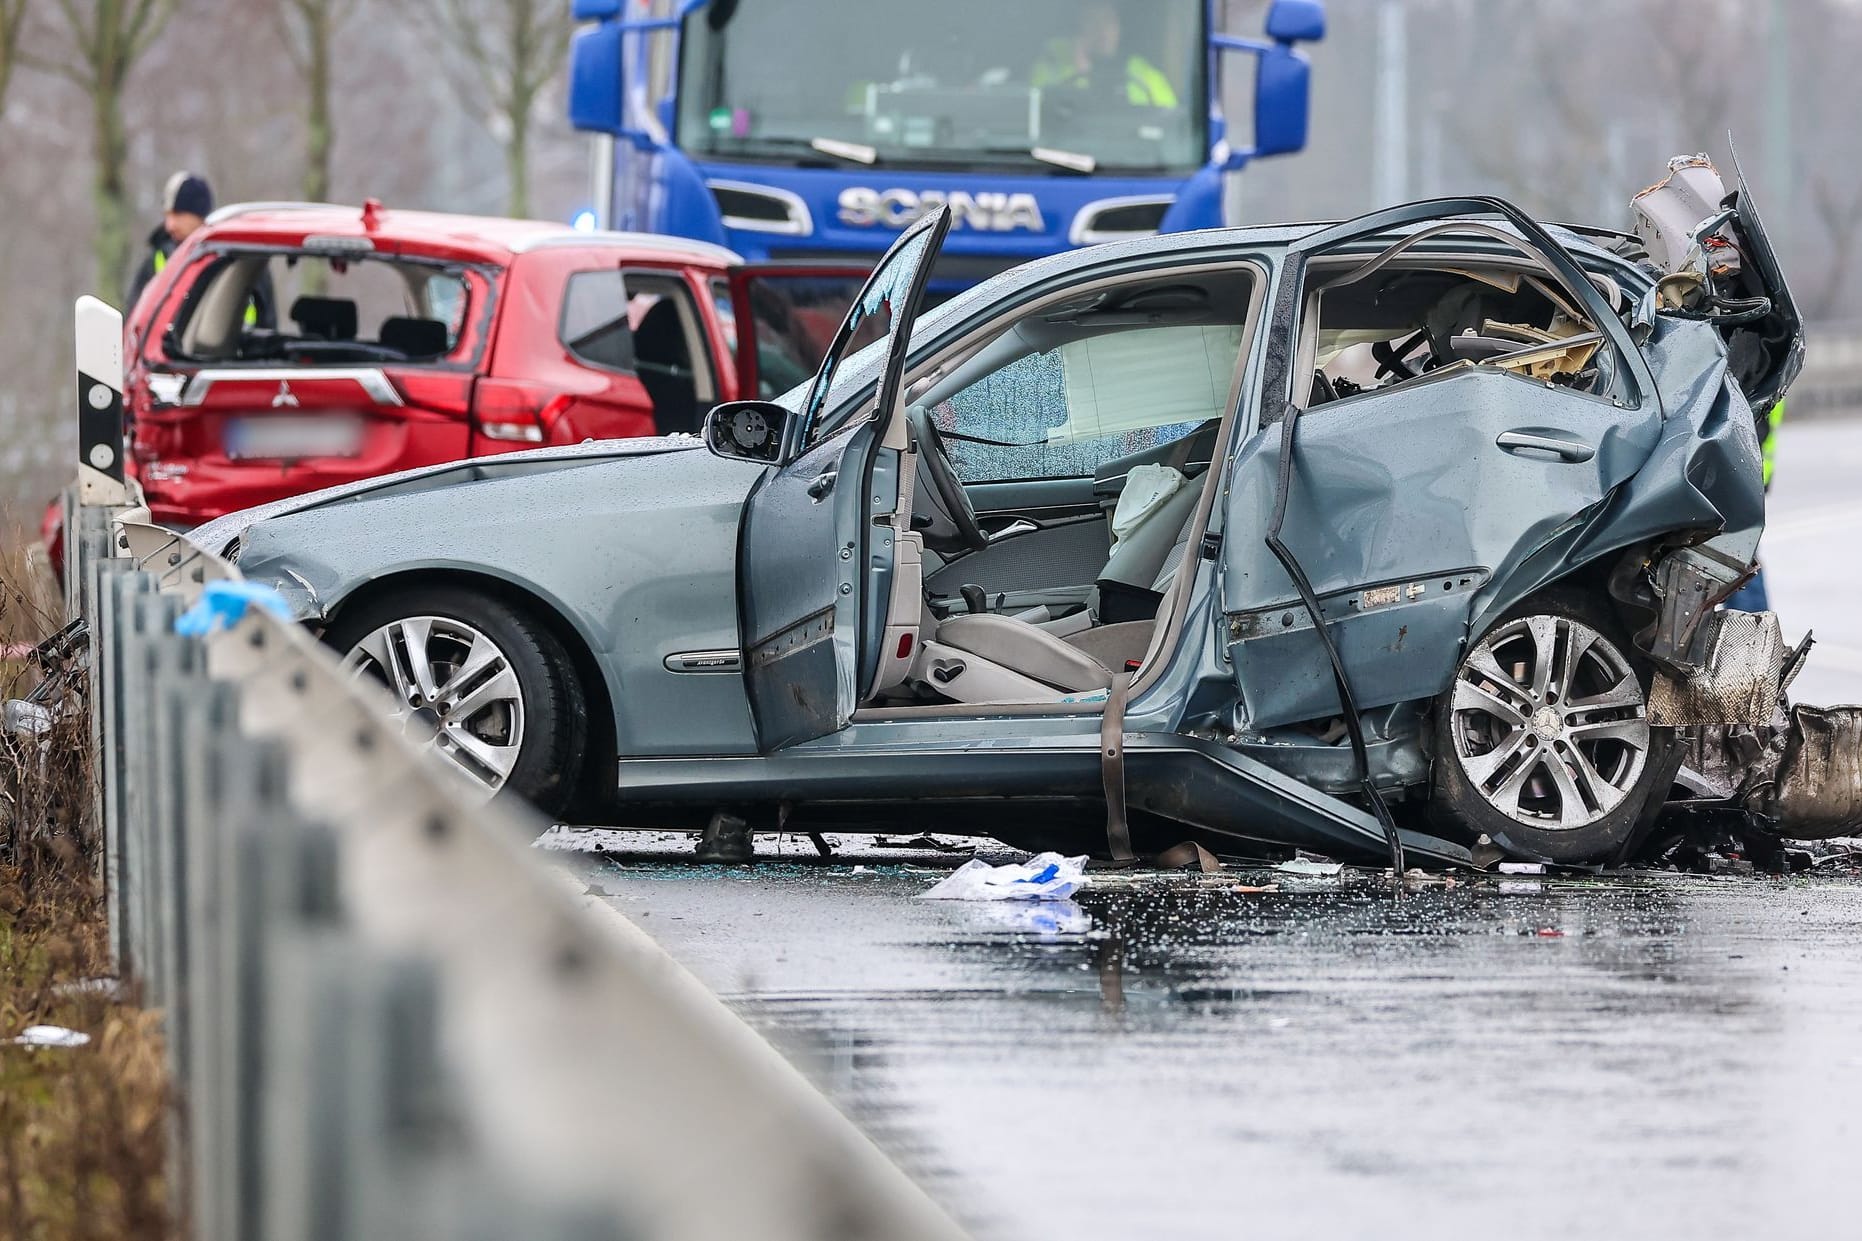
[(237, 209)]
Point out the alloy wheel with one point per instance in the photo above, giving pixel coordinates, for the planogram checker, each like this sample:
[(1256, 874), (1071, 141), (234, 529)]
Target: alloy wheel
[(1550, 722), (455, 691)]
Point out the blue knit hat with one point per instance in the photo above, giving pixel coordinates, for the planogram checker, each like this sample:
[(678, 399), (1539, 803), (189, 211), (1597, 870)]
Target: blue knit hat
[(188, 192)]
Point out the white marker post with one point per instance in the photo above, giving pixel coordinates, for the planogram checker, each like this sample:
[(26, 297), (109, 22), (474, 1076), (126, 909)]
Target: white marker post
[(102, 442)]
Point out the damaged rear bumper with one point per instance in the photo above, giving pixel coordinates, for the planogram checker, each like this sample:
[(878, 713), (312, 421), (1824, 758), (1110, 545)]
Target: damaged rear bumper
[(1798, 768)]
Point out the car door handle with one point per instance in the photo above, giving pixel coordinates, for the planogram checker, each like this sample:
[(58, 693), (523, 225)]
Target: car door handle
[(1537, 441), (822, 484)]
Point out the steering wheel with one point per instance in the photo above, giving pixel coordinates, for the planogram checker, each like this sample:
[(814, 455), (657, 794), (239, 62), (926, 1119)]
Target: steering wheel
[(1390, 358), (952, 500)]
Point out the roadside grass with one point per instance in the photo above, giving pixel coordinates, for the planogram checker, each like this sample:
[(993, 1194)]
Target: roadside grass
[(83, 1130)]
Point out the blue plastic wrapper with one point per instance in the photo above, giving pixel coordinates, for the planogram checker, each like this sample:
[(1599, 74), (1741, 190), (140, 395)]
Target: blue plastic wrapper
[(1044, 877), (223, 604)]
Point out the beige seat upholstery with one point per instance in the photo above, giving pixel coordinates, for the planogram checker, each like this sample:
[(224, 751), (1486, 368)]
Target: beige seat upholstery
[(990, 658), (996, 659), (1025, 649)]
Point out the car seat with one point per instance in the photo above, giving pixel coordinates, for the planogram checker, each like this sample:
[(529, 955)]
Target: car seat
[(664, 363), (325, 318)]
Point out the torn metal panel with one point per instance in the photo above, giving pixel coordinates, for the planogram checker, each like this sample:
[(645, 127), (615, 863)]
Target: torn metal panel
[(1738, 677), (1818, 789), (1802, 773)]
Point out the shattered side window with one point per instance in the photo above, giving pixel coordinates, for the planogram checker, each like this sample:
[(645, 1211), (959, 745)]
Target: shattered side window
[(1066, 412), (1405, 324), (869, 325)]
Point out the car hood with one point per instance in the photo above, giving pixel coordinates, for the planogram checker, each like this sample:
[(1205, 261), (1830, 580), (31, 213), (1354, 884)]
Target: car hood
[(219, 535)]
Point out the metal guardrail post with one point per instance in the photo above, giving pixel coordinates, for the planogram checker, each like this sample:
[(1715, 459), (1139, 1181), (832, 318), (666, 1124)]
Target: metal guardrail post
[(112, 648)]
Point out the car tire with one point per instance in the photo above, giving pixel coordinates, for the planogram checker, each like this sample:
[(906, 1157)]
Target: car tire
[(1542, 741), (500, 700)]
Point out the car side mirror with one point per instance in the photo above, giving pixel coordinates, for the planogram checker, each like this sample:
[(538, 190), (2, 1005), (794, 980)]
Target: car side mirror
[(747, 430)]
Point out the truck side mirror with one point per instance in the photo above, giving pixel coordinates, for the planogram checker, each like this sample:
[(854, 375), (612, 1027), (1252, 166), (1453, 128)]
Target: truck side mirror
[(1296, 21), (1282, 100), (1282, 82), (747, 430), (597, 91)]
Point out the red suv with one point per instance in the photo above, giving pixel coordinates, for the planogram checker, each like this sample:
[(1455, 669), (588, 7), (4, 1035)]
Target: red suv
[(289, 347)]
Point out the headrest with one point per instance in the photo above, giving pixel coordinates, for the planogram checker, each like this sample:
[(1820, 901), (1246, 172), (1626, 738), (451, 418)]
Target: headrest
[(326, 318), (414, 338)]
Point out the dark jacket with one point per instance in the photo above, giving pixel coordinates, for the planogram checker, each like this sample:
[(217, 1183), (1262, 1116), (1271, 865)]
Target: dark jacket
[(161, 245), (261, 312)]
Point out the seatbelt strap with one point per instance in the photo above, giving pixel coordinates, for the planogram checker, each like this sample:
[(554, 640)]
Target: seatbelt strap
[(1177, 857), (1112, 769)]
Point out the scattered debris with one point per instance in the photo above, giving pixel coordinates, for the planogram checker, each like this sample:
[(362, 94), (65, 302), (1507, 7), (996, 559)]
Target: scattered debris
[(928, 841), (27, 720), (1044, 877), (51, 1036), (1251, 889), (1306, 866), (1521, 868), (111, 988)]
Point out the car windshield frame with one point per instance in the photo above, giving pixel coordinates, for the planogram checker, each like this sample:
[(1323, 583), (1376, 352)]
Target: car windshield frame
[(992, 84)]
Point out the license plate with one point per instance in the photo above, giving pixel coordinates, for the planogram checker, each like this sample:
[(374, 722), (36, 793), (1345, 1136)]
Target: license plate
[(292, 439)]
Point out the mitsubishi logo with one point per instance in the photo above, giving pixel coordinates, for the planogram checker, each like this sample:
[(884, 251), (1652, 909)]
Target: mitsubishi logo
[(986, 212), (286, 399)]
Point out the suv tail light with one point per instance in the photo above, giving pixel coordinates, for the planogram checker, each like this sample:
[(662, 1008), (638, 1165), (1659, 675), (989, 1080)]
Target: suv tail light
[(516, 411)]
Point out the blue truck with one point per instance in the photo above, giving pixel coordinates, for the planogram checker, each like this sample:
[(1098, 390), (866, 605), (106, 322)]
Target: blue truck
[(794, 131)]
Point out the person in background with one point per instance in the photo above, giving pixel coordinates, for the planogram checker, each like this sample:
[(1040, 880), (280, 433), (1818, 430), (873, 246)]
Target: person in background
[(187, 201), (1752, 597), (1090, 60)]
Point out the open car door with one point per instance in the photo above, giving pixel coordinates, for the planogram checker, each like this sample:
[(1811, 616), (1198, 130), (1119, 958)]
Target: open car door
[(1411, 505), (784, 317), (811, 556)]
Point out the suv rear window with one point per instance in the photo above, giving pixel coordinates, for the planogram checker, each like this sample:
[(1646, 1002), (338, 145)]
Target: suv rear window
[(311, 310)]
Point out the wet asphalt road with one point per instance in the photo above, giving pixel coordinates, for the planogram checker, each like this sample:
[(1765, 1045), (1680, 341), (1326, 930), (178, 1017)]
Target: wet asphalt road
[(1649, 1057)]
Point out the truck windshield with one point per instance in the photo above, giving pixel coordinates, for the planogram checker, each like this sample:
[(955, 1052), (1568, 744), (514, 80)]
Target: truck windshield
[(1085, 85)]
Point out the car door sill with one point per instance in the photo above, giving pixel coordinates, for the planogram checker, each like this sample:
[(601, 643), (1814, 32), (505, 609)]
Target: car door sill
[(1189, 780)]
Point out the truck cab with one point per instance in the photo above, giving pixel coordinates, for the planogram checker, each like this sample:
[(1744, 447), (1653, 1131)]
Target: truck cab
[(1044, 125)]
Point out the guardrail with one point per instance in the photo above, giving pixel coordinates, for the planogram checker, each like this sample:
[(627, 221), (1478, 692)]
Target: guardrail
[(386, 1016)]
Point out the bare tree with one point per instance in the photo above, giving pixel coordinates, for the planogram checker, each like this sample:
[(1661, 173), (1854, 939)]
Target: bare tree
[(99, 43), (511, 50), (12, 25), (310, 28)]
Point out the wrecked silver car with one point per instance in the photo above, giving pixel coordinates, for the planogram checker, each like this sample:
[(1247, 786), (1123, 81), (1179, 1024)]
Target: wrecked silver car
[(1399, 537)]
